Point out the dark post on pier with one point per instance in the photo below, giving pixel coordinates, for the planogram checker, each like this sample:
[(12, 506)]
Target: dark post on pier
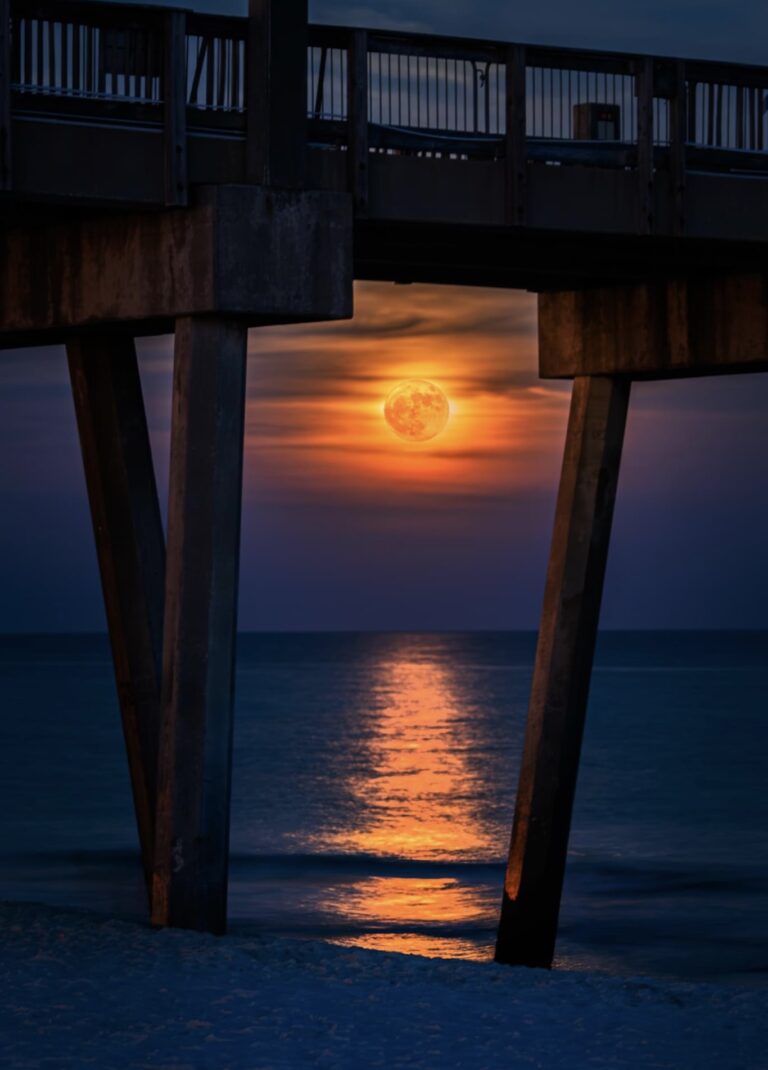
[(163, 171)]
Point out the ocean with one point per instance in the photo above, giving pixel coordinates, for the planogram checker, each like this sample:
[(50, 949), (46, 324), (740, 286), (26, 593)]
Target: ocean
[(374, 784)]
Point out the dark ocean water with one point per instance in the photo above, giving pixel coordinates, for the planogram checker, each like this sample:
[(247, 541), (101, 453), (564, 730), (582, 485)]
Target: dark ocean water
[(374, 783)]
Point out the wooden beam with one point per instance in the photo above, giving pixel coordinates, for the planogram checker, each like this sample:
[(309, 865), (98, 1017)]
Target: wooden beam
[(698, 326), (563, 666), (191, 861), (130, 546), (276, 93), (516, 141), (175, 108), (271, 256), (357, 119)]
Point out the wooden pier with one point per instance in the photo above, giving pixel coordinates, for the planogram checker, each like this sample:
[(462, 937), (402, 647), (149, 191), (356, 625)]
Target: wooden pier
[(164, 171)]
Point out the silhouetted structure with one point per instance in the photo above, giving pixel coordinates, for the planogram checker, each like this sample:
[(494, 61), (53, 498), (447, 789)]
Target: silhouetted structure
[(166, 171)]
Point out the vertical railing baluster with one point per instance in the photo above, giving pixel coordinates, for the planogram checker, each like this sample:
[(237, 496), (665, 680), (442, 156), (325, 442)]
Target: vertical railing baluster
[(103, 45), (320, 90), (691, 111), (236, 98), (65, 57), (52, 81), (40, 68), (77, 74), (740, 116), (210, 73), (222, 95), (721, 140)]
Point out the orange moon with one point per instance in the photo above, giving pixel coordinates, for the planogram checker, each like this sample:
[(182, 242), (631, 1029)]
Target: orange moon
[(417, 410)]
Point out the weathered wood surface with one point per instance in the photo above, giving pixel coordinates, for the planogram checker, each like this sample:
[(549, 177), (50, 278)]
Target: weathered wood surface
[(190, 879), (563, 666), (270, 256), (656, 331), (130, 546)]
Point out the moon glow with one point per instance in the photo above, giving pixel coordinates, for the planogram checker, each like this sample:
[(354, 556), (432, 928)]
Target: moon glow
[(416, 410)]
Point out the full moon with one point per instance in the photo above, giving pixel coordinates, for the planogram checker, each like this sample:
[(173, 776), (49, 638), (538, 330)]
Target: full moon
[(416, 410)]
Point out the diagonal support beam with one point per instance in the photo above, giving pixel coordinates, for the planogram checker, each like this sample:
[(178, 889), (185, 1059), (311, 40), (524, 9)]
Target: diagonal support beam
[(558, 702), (194, 771), (130, 545)]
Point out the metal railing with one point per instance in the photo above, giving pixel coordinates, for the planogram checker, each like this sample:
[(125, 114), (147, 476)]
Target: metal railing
[(442, 87), (88, 54), (96, 52), (436, 86), (215, 64), (392, 93)]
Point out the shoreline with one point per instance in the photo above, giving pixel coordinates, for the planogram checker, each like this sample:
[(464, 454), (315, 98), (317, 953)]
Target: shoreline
[(84, 989)]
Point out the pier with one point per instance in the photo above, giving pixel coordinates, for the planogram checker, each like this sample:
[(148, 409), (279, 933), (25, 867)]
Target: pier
[(163, 171)]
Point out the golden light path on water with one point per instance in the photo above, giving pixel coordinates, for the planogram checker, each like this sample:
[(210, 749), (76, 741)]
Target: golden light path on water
[(415, 803)]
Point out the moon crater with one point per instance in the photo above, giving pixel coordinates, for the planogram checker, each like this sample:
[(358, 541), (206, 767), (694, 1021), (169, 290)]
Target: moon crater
[(417, 410)]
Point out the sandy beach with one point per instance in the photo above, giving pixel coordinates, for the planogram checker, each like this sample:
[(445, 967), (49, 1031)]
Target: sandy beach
[(85, 990)]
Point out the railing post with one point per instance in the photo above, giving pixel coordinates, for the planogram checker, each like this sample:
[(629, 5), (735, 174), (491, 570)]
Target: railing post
[(5, 95), (740, 93), (644, 91), (691, 113), (678, 131), (516, 149), (276, 93), (175, 107), (357, 119)]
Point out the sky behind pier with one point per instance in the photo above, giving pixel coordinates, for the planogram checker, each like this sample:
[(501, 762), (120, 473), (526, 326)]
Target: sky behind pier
[(733, 30), (344, 526)]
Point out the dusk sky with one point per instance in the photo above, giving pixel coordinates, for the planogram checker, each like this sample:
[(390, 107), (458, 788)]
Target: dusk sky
[(345, 526)]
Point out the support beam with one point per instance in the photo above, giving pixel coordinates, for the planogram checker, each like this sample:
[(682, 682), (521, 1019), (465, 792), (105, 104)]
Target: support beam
[(266, 256), (130, 546), (560, 687), (691, 326), (191, 862)]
